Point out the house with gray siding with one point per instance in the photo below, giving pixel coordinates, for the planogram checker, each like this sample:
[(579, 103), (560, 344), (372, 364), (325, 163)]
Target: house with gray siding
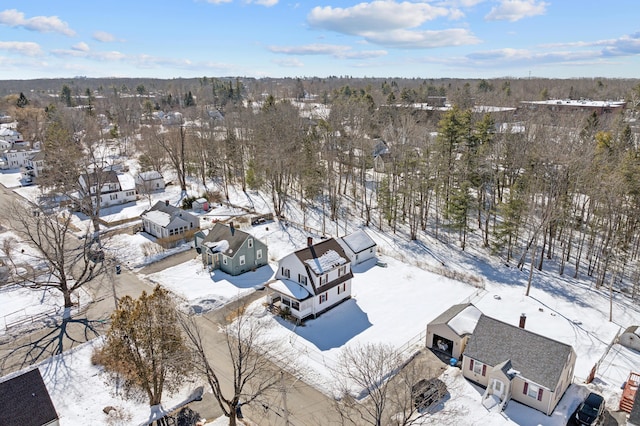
[(230, 250), (512, 363)]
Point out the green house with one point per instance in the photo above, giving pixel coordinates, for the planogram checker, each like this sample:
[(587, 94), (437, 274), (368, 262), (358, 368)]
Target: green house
[(230, 250)]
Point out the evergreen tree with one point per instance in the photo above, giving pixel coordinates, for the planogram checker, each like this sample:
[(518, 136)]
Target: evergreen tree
[(22, 101), (144, 348), (65, 95)]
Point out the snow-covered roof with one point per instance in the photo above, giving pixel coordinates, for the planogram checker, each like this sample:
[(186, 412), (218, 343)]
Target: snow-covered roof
[(465, 321), (329, 260), (217, 246), (289, 288), (127, 183), (359, 241), (150, 175), (158, 217)]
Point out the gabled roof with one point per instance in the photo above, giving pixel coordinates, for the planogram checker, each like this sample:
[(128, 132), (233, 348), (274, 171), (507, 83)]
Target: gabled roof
[(106, 176), (150, 175), (289, 288), (25, 401), (323, 256), (219, 234), (462, 319), (537, 358), (358, 241), (162, 213)]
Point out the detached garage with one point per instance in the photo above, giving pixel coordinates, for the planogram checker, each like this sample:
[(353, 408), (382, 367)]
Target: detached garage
[(449, 332)]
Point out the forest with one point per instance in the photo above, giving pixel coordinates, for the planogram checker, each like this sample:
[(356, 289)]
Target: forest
[(556, 189)]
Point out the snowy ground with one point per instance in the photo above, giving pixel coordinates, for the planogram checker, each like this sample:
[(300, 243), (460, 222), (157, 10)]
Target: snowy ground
[(394, 304)]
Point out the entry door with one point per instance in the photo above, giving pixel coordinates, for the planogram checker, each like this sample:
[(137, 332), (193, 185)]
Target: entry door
[(498, 388)]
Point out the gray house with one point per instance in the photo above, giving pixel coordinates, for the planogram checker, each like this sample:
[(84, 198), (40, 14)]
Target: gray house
[(164, 220), (25, 401), (230, 250), (514, 363)]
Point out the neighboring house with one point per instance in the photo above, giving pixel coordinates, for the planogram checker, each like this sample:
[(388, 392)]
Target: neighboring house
[(148, 182), (312, 280), (10, 135), (35, 166), (514, 363), (164, 220), (358, 247), (114, 188), (634, 416), (449, 332), (17, 156), (230, 250), (25, 401), (630, 338)]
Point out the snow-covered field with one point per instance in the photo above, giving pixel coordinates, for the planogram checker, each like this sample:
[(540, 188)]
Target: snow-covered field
[(391, 305)]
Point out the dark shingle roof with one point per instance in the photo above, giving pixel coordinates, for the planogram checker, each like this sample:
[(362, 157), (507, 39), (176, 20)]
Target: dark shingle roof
[(316, 251), (536, 357), (24, 401), (221, 232), (634, 417)]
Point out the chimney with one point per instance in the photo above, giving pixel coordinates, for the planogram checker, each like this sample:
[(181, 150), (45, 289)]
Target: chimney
[(523, 320), (309, 241), (232, 228), (166, 202)]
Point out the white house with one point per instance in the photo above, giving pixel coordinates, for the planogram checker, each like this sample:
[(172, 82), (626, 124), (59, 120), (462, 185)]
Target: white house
[(151, 181), (311, 280), (35, 166), (9, 135), (164, 220), (112, 187), (17, 157), (358, 246)]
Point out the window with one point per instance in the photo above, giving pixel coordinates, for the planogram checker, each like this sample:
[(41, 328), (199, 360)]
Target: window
[(242, 260), (113, 196), (342, 288), (259, 254), (324, 279), (295, 305), (478, 367), (532, 391), (224, 260), (286, 272), (342, 270), (302, 279), (250, 242), (323, 298)]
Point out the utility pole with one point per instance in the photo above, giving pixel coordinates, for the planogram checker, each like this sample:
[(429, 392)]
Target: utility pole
[(284, 399)]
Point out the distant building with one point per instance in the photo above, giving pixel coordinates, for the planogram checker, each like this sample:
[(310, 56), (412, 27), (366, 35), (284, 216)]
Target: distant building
[(572, 105)]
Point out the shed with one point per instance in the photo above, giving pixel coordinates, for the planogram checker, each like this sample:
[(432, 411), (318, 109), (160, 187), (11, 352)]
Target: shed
[(358, 246), (201, 204), (448, 332), (630, 338), (25, 401)]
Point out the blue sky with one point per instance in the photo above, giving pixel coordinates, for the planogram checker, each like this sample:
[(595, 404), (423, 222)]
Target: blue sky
[(280, 38)]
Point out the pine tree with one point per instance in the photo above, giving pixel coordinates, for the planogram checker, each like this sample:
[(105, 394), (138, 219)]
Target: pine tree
[(144, 348), (22, 101)]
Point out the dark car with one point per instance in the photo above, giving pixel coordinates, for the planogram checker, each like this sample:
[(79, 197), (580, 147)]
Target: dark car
[(427, 392), (591, 410)]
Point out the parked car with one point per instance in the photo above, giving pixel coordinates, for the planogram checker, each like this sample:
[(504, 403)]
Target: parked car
[(591, 411), (428, 392)]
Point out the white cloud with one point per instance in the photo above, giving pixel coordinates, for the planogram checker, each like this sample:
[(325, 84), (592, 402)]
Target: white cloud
[(393, 24), (514, 10), (81, 47), (378, 16), (289, 63), (43, 24), (103, 36), (337, 51), (22, 47)]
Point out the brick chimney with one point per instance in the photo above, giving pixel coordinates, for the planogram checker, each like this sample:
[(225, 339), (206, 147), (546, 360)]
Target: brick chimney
[(166, 202), (232, 228), (523, 320), (309, 241)]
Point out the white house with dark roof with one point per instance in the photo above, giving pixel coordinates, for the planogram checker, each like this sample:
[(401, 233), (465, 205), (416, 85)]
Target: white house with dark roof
[(113, 188), (358, 246), (164, 220), (449, 332), (312, 280), (514, 363)]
